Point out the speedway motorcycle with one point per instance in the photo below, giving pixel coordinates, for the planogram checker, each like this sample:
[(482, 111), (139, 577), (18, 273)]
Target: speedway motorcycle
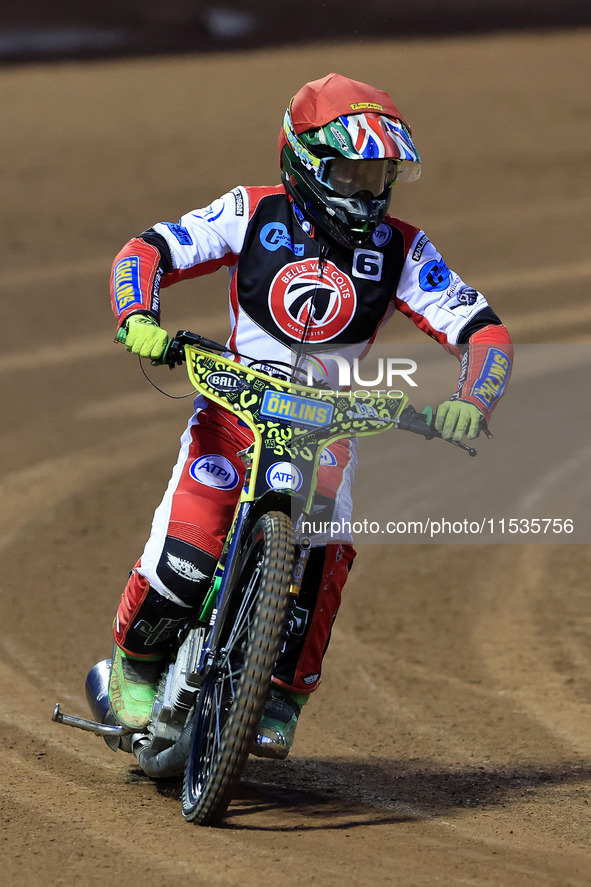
[(213, 688)]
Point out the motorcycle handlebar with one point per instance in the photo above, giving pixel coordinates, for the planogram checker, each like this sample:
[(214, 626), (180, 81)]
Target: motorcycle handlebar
[(174, 353), (408, 420)]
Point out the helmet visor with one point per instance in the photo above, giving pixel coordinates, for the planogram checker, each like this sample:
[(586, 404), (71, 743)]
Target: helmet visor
[(348, 177)]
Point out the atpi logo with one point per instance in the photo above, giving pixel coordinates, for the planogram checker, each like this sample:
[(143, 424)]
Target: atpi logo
[(303, 301), (284, 476), (382, 235), (328, 459), (215, 471)]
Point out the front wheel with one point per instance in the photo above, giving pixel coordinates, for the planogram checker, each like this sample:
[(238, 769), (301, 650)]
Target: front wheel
[(231, 700)]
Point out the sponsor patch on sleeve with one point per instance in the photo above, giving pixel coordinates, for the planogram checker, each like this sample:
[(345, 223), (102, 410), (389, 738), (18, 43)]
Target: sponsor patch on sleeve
[(434, 276), (420, 246), (493, 378), (238, 202), (180, 232), (126, 278), (463, 297)]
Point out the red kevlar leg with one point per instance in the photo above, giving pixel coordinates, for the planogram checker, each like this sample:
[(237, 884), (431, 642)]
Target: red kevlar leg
[(171, 580), (299, 664)]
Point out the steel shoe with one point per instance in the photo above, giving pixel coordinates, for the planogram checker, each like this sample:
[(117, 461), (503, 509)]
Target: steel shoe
[(276, 731), (132, 686)]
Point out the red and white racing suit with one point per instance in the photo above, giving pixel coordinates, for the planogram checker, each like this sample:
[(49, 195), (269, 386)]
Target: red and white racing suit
[(290, 286)]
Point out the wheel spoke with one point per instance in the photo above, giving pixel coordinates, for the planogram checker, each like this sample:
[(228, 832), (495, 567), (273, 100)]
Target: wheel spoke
[(244, 615)]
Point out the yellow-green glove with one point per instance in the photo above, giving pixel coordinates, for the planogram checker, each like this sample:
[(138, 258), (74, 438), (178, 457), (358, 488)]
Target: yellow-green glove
[(145, 337), (456, 418)]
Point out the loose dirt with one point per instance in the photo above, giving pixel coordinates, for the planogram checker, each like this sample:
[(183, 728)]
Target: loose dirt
[(450, 742)]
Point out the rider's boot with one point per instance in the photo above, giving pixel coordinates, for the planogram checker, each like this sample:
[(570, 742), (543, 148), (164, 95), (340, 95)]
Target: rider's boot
[(145, 625), (132, 687), (276, 730)]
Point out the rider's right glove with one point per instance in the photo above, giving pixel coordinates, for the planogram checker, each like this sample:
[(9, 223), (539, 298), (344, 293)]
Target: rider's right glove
[(145, 337)]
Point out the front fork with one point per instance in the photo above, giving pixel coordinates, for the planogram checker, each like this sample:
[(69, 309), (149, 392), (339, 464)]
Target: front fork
[(299, 567)]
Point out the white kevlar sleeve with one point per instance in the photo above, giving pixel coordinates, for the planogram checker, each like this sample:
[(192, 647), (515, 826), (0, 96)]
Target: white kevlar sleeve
[(431, 290), (209, 233)]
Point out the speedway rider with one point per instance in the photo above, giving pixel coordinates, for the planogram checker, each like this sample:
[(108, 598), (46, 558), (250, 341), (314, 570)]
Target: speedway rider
[(314, 262)]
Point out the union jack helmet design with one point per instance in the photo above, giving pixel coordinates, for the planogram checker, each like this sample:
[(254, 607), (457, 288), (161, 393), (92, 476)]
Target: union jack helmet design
[(343, 145), (374, 137)]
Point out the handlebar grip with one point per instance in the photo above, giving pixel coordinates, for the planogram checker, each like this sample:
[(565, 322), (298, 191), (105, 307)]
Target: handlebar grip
[(419, 423), (423, 424), (121, 339), (175, 350)]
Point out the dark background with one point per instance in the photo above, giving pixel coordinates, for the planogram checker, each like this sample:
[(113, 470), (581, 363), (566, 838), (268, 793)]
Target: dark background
[(40, 30)]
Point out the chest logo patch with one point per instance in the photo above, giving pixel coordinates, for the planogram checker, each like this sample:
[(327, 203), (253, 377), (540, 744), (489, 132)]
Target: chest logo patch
[(275, 234), (302, 302)]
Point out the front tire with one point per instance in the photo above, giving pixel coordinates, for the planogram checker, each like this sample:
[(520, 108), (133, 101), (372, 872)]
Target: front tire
[(231, 700)]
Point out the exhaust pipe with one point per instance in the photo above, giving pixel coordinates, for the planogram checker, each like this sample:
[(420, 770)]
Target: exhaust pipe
[(155, 764), (165, 763)]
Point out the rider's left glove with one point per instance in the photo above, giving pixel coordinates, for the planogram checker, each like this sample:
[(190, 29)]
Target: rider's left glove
[(145, 337), (456, 418)]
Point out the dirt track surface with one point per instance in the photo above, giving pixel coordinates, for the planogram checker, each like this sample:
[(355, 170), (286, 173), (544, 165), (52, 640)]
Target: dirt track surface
[(450, 742)]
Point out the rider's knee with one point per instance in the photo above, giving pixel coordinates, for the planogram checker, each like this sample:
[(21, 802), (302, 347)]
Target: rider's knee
[(186, 571)]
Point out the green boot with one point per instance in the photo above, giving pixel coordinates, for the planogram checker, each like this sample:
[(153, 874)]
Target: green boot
[(132, 687), (275, 733)]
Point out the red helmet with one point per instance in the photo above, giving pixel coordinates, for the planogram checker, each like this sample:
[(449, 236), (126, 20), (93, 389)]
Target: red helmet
[(333, 96), (342, 146)]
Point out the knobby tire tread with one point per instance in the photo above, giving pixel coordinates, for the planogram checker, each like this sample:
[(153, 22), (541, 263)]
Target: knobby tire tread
[(259, 660)]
